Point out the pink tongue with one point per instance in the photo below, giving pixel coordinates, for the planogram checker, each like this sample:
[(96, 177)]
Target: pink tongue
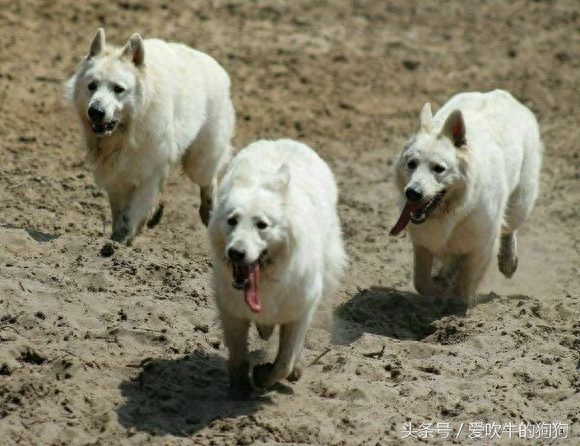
[(251, 290), (403, 220)]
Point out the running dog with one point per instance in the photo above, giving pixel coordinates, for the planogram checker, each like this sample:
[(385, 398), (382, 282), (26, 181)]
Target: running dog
[(468, 178), (144, 108), (277, 251)]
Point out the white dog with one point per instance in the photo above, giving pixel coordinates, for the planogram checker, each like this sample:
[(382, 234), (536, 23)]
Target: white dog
[(144, 108), (277, 248), (470, 174)]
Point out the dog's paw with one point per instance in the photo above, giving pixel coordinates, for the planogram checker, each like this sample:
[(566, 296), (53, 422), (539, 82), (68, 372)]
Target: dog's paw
[(507, 265), (440, 284), (205, 207), (108, 249), (156, 217), (295, 374), (121, 235), (262, 375)]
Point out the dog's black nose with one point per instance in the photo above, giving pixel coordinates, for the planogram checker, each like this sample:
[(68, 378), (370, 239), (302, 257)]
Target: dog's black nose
[(413, 194), (236, 255), (96, 114)]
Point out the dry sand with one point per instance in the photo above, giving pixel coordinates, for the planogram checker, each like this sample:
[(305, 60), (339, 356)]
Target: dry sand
[(128, 350)]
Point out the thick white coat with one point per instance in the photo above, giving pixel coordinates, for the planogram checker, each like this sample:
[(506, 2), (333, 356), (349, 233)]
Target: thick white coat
[(499, 170), (288, 185), (314, 257), (176, 108)]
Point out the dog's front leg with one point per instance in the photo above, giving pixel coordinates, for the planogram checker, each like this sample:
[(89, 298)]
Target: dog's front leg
[(471, 269), (236, 340), (119, 199), (447, 274), (423, 264), (131, 212), (290, 346)]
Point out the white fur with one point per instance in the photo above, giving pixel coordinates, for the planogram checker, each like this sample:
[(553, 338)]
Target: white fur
[(175, 107), (491, 180), (287, 185)]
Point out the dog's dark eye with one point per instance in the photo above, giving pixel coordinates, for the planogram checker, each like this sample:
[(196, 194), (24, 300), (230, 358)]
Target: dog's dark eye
[(232, 221), (118, 89), (439, 168), (92, 86), (261, 224), (412, 164)]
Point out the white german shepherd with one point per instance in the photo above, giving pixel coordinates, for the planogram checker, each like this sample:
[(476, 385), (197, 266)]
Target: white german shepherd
[(277, 249), (469, 175), (144, 108)]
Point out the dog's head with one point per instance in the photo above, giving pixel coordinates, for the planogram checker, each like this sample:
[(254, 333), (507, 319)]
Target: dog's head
[(106, 90), (249, 227), (431, 170)]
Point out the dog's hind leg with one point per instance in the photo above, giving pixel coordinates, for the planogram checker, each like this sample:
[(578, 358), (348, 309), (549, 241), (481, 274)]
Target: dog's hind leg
[(156, 217), (206, 203), (208, 192), (207, 159), (507, 259), (517, 210), (519, 206), (236, 340), (206, 173), (291, 341)]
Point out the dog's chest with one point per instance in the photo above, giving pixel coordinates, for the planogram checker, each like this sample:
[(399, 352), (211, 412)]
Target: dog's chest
[(444, 238), (278, 306)]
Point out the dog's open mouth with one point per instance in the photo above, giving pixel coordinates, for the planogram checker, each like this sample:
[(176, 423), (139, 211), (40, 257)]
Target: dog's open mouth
[(247, 278), (104, 128), (419, 215), (416, 212)]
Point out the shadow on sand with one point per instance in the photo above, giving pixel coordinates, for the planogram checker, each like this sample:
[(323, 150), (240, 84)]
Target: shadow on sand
[(41, 237), (181, 396), (37, 236), (389, 312)]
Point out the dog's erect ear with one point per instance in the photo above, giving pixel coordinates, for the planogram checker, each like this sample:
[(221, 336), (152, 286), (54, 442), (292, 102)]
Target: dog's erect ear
[(135, 50), (426, 118), (279, 182), (97, 44), (454, 129)]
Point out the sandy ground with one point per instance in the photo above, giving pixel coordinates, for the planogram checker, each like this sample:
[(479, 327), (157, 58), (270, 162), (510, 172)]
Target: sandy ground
[(128, 350)]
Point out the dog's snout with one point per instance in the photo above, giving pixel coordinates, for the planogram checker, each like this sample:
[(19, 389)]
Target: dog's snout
[(236, 255), (413, 194), (96, 114)]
